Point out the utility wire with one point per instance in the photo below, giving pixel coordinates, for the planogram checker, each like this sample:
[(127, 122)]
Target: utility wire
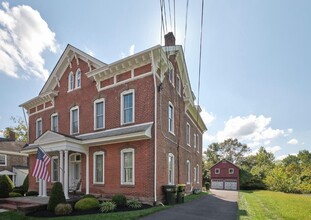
[(164, 9), (200, 58), (169, 10), (186, 26), (175, 20)]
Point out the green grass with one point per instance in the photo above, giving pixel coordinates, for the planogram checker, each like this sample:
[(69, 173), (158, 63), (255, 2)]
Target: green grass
[(112, 216), (263, 204)]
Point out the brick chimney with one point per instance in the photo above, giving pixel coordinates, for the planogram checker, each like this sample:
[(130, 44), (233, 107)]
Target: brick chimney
[(12, 135), (169, 39)]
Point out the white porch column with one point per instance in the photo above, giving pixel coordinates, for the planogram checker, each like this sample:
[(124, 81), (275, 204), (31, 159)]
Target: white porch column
[(44, 188), (40, 187), (61, 167), (66, 188), (87, 181)]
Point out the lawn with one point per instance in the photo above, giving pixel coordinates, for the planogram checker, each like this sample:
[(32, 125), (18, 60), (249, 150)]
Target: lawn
[(273, 205), (113, 216)]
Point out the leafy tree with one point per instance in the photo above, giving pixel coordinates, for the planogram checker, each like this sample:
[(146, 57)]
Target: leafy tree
[(20, 129), (290, 159)]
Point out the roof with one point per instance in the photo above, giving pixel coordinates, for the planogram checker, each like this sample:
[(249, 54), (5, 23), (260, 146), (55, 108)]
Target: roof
[(14, 146), (226, 161)]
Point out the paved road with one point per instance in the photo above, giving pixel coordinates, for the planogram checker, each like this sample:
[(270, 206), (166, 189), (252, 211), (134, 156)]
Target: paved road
[(219, 205)]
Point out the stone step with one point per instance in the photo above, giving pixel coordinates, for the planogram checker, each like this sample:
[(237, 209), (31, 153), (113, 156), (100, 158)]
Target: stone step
[(8, 206)]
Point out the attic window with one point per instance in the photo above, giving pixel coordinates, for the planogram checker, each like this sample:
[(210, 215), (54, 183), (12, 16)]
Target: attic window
[(171, 75), (78, 79), (71, 81), (231, 170), (217, 171)]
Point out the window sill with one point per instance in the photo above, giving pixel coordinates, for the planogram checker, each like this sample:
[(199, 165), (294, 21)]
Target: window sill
[(98, 184), (127, 185), (172, 133)]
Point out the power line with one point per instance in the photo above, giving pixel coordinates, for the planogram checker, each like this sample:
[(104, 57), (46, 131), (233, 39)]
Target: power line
[(200, 58), (169, 10), (186, 26)]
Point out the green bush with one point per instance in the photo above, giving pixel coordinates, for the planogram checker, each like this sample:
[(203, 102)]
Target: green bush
[(88, 196), (11, 184), (63, 209), (107, 207), (87, 204), (31, 193), (134, 204), (119, 200), (19, 189), (15, 194), (26, 184), (57, 196), (4, 187)]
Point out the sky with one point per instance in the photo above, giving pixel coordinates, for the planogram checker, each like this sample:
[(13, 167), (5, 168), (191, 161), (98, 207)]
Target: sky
[(255, 71)]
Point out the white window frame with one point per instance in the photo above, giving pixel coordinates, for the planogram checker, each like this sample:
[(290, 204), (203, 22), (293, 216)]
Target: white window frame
[(171, 75), (71, 82), (122, 106), (5, 160), (195, 174), (78, 73), (37, 127), (217, 170), (171, 124), (94, 167), (198, 172), (188, 133), (195, 140), (178, 85), (95, 113), (71, 110), (52, 116), (188, 172), (230, 170), (127, 150), (52, 168), (170, 155)]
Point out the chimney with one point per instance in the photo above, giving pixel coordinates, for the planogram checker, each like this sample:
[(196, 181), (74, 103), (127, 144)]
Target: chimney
[(169, 39), (12, 135)]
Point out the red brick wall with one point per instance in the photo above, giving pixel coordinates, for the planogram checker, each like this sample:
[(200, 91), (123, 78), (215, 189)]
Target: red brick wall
[(224, 172)]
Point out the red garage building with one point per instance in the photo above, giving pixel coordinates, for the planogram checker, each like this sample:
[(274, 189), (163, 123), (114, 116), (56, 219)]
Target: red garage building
[(225, 175)]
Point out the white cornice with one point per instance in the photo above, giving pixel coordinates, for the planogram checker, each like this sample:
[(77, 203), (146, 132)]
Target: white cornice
[(42, 98)]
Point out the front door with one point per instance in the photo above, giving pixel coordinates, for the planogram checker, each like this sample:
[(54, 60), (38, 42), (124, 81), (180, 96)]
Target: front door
[(74, 172)]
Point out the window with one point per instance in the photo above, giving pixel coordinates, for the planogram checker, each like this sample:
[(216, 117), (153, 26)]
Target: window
[(178, 85), (55, 169), (98, 174), (38, 127), (170, 169), (71, 81), (171, 75), (74, 120), (217, 171), (171, 118), (188, 134), (198, 173), (54, 122), (127, 107), (195, 174), (231, 171), (3, 160), (127, 166), (198, 143), (188, 172), (195, 141), (78, 78), (99, 114)]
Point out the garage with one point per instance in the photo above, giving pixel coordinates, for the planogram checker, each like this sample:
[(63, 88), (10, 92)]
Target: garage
[(217, 184), (231, 185)]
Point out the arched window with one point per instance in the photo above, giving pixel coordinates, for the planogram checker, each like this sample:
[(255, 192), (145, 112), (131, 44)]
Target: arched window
[(71, 81), (78, 78)]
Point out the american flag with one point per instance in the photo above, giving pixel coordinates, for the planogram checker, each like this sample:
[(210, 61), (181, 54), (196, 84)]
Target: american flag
[(42, 162)]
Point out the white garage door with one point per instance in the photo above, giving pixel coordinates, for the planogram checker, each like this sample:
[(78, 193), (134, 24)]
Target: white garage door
[(217, 184), (231, 185)]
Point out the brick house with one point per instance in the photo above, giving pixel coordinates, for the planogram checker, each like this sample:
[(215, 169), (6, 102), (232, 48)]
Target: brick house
[(12, 162), (127, 127), (225, 175)]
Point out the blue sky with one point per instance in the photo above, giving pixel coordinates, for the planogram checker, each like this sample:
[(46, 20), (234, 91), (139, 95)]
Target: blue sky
[(256, 71)]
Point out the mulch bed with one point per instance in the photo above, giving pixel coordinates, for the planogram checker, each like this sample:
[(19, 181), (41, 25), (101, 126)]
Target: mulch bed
[(46, 213)]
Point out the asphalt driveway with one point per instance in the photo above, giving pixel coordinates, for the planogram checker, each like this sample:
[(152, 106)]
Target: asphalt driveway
[(220, 204)]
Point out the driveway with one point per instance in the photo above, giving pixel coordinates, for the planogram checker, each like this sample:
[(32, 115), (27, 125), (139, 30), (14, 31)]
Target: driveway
[(219, 204)]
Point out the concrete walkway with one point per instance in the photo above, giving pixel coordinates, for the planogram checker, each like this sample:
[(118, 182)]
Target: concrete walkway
[(219, 205)]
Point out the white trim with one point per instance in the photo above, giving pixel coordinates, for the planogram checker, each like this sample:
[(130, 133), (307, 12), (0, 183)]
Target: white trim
[(53, 115), (198, 143), (52, 168), (94, 166), (126, 92), (171, 75), (5, 160), (76, 79), (37, 131), (170, 155), (171, 129), (95, 113), (188, 134), (194, 140), (127, 150), (71, 110), (13, 153), (217, 169), (188, 172), (71, 82)]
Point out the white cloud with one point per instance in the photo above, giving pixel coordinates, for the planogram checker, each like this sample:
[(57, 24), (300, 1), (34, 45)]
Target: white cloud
[(132, 49), (1, 133), (207, 117), (290, 130), (273, 149), (24, 36), (284, 156), (293, 141)]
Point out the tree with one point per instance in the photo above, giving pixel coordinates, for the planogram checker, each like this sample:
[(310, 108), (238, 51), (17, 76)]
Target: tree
[(20, 129), (57, 196)]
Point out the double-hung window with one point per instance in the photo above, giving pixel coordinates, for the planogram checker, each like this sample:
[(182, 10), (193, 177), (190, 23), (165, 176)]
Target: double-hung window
[(71, 81), (98, 166), (178, 85), (195, 174), (195, 141), (54, 122), (127, 167), (198, 171), (127, 106), (188, 172), (188, 134), (55, 169), (38, 127), (171, 118), (171, 75), (170, 169), (3, 160), (74, 120), (99, 114), (78, 78)]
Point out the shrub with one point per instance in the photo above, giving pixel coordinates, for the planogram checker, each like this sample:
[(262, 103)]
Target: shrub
[(11, 184), (119, 200), (31, 193), (134, 204), (57, 196), (25, 185), (19, 189), (107, 207), (88, 196), (4, 187), (87, 204), (15, 194), (63, 209)]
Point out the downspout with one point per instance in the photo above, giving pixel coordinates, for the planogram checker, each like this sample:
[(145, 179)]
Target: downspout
[(155, 127)]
